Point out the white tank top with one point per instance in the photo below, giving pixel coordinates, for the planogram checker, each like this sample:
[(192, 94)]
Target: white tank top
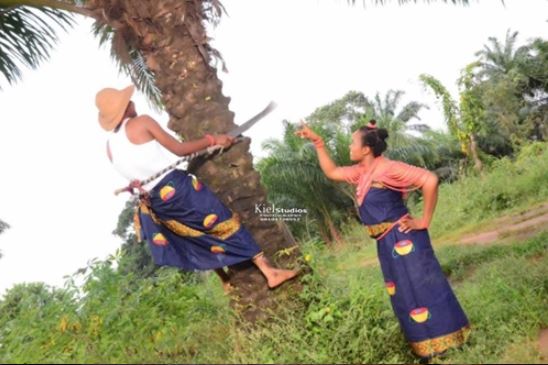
[(137, 161)]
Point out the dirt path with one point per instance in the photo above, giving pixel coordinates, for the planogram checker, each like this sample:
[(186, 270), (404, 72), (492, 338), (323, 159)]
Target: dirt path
[(518, 226)]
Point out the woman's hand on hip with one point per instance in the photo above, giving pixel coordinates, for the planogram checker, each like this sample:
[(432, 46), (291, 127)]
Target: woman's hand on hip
[(408, 224)]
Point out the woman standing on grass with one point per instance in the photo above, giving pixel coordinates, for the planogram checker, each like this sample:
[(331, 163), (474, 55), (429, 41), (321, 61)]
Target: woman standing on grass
[(427, 309)]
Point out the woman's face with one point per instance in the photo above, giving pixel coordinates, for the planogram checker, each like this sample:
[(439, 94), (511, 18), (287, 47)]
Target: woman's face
[(357, 151)]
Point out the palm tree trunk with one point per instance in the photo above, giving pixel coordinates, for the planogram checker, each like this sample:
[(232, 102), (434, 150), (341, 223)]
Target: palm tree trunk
[(352, 195), (478, 165), (333, 231), (334, 235), (324, 235), (171, 36)]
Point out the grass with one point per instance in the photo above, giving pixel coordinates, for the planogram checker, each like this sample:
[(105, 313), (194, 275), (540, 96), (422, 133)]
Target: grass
[(346, 316), (342, 315)]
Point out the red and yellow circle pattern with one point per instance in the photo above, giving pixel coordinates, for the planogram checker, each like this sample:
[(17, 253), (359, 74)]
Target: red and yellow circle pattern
[(196, 184), (404, 247), (167, 192), (210, 221), (217, 249), (391, 288), (420, 315), (159, 239)]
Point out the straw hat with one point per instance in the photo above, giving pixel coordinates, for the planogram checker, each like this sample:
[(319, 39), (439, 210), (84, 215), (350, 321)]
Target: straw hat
[(112, 104)]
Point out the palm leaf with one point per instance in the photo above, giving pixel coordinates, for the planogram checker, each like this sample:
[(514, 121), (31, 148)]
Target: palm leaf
[(131, 62), (419, 127), (411, 111), (27, 36), (416, 152), (498, 58), (3, 226)]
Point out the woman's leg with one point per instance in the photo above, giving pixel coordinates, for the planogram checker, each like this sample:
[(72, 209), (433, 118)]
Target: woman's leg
[(225, 279), (274, 276)]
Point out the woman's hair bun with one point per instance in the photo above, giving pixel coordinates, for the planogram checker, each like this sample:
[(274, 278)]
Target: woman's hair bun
[(374, 137), (382, 133), (372, 124)]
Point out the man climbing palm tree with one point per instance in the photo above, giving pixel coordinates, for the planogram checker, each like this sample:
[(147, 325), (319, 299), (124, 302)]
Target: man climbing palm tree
[(184, 223)]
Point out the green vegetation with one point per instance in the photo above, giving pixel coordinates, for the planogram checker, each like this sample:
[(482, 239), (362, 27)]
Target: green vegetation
[(342, 313)]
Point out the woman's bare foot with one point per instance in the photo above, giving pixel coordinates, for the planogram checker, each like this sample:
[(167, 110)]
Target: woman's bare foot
[(225, 280), (279, 276), (227, 287), (274, 276)]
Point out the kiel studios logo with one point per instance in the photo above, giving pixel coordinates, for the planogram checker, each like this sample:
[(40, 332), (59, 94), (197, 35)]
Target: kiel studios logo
[(273, 213)]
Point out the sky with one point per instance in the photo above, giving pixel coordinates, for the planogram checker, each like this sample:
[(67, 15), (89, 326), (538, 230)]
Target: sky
[(56, 183)]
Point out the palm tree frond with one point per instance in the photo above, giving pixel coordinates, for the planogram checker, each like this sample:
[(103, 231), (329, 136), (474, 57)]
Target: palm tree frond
[(422, 128), (3, 226), (131, 62), (143, 77), (27, 36), (411, 111)]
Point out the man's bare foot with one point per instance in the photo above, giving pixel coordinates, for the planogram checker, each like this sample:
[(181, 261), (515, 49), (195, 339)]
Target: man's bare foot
[(279, 276)]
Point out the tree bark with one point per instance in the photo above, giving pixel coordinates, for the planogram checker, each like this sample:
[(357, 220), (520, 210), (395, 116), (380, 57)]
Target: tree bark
[(334, 235), (478, 165), (171, 36)]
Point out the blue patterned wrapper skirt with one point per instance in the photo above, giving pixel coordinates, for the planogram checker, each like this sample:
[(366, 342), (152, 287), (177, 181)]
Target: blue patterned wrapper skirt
[(428, 311), (186, 226)]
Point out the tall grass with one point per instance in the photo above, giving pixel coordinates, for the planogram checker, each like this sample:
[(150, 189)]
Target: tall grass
[(507, 186)]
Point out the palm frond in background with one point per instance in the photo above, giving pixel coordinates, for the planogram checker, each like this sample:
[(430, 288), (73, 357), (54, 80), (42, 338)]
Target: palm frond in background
[(27, 36), (131, 62)]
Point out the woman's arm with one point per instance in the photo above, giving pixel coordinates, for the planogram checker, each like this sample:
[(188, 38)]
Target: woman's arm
[(430, 195), (329, 168), (327, 165), (181, 148)]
